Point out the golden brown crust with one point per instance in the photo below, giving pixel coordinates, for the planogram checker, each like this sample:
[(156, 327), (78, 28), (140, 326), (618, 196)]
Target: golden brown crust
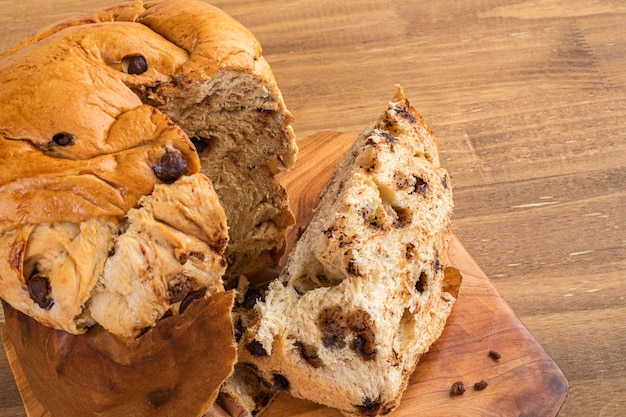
[(165, 372)]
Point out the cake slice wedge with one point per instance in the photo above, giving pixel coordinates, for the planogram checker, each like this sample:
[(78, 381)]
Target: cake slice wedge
[(363, 293)]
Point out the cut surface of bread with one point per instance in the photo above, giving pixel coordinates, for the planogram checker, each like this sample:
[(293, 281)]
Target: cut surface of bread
[(363, 293)]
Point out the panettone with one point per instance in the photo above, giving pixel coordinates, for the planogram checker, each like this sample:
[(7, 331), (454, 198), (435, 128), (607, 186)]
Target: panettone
[(365, 290), (140, 146)]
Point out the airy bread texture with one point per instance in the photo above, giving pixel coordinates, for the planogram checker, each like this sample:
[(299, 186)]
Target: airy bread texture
[(140, 146), (363, 293)]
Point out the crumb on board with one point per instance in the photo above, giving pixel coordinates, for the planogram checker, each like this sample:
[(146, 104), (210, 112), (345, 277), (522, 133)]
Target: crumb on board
[(458, 388), (480, 385), (494, 355)]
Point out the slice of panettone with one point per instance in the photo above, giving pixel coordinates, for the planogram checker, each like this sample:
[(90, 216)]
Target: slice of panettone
[(363, 293)]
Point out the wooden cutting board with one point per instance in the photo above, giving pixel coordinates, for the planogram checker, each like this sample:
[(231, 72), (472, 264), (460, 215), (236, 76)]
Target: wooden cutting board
[(524, 382)]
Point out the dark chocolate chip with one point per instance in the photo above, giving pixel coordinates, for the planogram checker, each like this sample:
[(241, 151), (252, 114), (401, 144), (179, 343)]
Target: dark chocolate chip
[(171, 167), (183, 258), (178, 291), (494, 355), (309, 354), (389, 139), (39, 291), (280, 383), (332, 324), (480, 385), (64, 139), (364, 343), (369, 408), (256, 349), (190, 298), (219, 246), (159, 397), (403, 112), (458, 388), (135, 64), (198, 255)]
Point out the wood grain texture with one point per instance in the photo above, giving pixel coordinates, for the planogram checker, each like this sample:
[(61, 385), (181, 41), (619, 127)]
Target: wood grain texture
[(528, 100)]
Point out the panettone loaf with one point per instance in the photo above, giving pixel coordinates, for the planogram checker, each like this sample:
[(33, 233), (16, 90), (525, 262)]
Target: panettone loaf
[(140, 145), (191, 61), (363, 293)]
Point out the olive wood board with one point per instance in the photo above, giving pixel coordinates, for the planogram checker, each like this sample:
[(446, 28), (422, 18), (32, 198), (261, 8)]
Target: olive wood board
[(523, 382)]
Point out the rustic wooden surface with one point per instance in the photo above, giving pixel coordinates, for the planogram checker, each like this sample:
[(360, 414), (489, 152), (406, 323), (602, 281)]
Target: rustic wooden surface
[(528, 100)]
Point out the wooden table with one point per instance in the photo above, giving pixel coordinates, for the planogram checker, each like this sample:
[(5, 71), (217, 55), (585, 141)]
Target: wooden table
[(528, 100)]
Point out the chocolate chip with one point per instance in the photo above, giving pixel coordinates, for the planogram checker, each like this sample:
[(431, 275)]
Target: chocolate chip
[(159, 397), (135, 64), (389, 139), (332, 325), (198, 255), (309, 354), (190, 298), (369, 407), (219, 246), (178, 291), (494, 355), (458, 388), (364, 347), (171, 167), (183, 258), (256, 349), (480, 385), (39, 291), (364, 343), (63, 139), (280, 383), (403, 112)]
